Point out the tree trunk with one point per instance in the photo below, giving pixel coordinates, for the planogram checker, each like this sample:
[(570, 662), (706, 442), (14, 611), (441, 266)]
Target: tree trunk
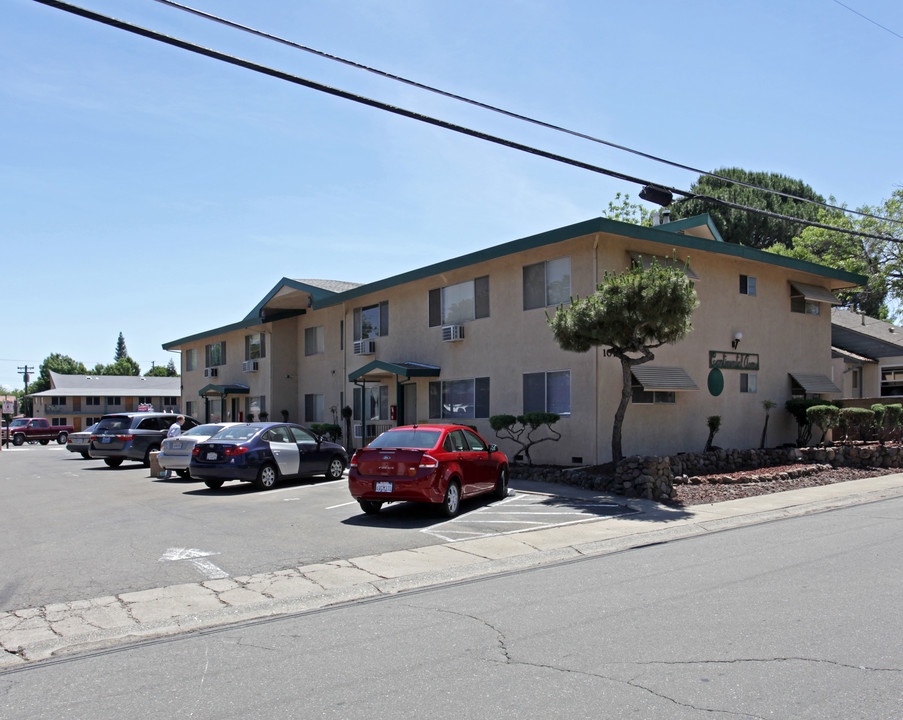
[(616, 453)]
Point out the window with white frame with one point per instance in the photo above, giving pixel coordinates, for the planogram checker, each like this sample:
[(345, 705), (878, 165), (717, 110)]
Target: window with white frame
[(547, 283), (891, 381), (191, 359), (371, 321), (373, 400), (459, 303), (215, 354), (254, 405), (748, 383), (459, 398), (255, 346), (747, 285), (314, 340), (548, 392), (313, 408)]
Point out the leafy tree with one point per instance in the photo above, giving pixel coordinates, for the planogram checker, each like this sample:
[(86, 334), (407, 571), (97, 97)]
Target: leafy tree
[(157, 371), (742, 226), (714, 424), (123, 366), (631, 313), (121, 351), (58, 363), (171, 369), (98, 369), (622, 209), (509, 427)]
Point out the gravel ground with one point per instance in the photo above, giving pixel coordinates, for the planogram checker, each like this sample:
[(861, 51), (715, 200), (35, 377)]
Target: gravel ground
[(708, 492)]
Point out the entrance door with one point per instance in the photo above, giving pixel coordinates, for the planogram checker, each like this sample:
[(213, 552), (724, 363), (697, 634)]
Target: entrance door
[(410, 404)]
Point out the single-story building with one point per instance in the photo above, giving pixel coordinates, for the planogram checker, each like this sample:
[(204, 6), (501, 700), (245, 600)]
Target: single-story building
[(467, 338), (867, 357)]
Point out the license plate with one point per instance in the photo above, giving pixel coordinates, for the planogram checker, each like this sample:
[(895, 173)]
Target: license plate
[(383, 487), (175, 446), (106, 440), (211, 456)]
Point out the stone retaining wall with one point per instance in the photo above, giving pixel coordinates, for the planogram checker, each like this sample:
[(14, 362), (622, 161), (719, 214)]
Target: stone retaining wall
[(654, 477)]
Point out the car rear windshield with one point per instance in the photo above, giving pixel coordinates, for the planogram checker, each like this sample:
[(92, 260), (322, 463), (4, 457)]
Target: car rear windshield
[(237, 432), (205, 430), (115, 423), (420, 439)]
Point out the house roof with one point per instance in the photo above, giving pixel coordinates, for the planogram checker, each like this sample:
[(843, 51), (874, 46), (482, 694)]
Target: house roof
[(111, 385), (865, 336), (696, 233)]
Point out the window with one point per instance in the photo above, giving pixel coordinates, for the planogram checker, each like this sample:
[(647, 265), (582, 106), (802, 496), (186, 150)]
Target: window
[(300, 435), (58, 400), (371, 321), (854, 378), (313, 408), (548, 392), (89, 421), (145, 400), (171, 400), (800, 304), (215, 354), (375, 399), (191, 408), (547, 283), (748, 382), (254, 406), (113, 400), (58, 421), (891, 381), (92, 400), (460, 303), (459, 398), (191, 359), (255, 347), (640, 396), (314, 343), (747, 285)]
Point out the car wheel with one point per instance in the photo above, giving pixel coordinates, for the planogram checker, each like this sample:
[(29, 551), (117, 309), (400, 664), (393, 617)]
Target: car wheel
[(335, 469), (150, 449), (113, 462), (371, 507), (501, 485), (44, 442), (267, 477), (62, 438), (85, 456), (213, 484), (18, 439), (183, 474), (452, 502)]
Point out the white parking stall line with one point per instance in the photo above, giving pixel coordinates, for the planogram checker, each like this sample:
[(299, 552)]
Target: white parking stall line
[(333, 507)]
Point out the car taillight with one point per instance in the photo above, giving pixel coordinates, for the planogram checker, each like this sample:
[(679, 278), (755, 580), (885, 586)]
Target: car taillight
[(195, 451), (428, 461), (353, 463), (125, 438), (231, 450)]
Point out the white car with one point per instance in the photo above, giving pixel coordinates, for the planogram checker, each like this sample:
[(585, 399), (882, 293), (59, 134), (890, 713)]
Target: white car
[(79, 441), (175, 452)]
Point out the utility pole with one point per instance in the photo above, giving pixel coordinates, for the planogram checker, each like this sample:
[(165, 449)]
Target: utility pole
[(25, 371)]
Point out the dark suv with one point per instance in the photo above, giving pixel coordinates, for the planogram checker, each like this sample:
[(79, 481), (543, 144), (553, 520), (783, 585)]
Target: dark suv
[(132, 436)]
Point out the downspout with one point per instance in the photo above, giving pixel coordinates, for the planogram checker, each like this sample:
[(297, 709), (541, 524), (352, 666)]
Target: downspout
[(596, 361)]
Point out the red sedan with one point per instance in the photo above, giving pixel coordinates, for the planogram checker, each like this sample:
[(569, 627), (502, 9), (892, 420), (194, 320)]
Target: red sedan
[(427, 463)]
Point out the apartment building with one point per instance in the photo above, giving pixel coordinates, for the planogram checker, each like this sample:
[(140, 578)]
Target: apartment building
[(467, 338)]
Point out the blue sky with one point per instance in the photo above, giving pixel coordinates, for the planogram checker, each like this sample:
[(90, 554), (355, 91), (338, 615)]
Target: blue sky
[(153, 192)]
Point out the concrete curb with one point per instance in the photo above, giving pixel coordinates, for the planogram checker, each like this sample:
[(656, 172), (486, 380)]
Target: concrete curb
[(35, 634)]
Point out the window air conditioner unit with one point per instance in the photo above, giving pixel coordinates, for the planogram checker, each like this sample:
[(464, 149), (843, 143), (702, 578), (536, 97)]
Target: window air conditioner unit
[(250, 366), (364, 347), (452, 333), (211, 372)]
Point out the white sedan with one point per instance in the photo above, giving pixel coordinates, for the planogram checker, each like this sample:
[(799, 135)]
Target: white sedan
[(175, 452)]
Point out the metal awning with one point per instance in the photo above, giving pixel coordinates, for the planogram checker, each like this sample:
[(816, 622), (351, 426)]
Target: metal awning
[(814, 292), (647, 259), (223, 390), (666, 379), (400, 369), (815, 384)]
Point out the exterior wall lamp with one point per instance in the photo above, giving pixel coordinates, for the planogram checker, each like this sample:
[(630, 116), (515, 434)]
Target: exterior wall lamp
[(738, 336)]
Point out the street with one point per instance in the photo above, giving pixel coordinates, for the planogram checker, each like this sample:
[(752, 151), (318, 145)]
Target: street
[(797, 618), (75, 529)]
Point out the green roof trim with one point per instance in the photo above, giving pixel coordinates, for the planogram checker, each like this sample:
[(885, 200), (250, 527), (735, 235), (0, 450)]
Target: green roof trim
[(233, 389), (679, 226), (402, 369)]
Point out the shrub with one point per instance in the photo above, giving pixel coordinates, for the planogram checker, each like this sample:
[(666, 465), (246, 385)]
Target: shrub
[(825, 416), (893, 419), (714, 424), (798, 407), (333, 432), (856, 420), (880, 411)]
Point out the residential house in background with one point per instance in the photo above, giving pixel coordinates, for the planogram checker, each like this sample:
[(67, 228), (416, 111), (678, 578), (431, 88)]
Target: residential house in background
[(467, 338), (867, 357), (81, 400)]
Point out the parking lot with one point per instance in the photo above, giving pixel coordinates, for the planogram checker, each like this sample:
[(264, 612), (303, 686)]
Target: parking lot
[(74, 528)]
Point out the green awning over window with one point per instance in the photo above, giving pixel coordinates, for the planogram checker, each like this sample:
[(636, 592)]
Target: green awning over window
[(815, 384), (664, 379)]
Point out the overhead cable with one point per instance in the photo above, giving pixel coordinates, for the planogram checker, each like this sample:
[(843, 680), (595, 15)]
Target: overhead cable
[(281, 75), (509, 113)]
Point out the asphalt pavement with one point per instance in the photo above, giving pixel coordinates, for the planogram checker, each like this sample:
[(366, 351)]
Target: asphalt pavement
[(537, 524)]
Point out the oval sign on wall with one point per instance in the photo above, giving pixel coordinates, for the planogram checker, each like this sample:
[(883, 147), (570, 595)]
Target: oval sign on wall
[(716, 381)]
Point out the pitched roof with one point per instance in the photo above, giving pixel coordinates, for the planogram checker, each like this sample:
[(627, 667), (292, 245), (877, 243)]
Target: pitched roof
[(112, 385), (865, 336)]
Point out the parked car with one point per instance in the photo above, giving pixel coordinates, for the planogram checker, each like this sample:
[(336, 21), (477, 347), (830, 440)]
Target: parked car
[(175, 452), (439, 464), (79, 441), (132, 436), (264, 452), (38, 430)]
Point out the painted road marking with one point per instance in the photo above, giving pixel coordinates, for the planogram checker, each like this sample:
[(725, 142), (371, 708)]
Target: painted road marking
[(198, 558)]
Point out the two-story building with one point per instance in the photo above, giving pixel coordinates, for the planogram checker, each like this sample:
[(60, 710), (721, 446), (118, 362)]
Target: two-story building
[(467, 338)]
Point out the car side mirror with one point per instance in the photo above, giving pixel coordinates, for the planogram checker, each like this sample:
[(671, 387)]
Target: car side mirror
[(493, 449)]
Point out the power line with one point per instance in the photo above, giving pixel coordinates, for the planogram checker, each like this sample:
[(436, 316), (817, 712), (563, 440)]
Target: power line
[(509, 113), (865, 17), (281, 75)]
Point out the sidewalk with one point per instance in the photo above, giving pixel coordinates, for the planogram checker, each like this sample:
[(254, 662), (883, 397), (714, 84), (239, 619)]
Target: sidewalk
[(39, 633)]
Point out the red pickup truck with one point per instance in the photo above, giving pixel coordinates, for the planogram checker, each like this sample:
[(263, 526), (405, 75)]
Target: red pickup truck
[(22, 430)]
